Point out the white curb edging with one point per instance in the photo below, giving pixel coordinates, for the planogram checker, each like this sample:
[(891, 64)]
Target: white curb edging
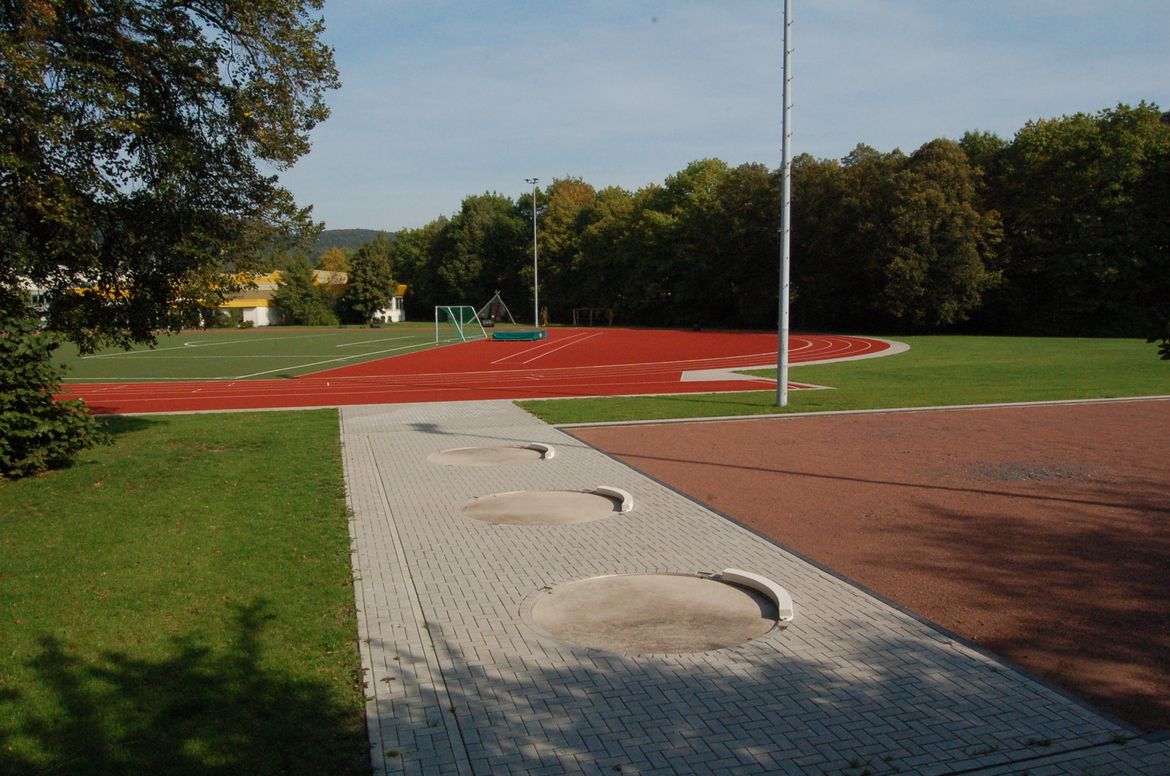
[(627, 501), (766, 586)]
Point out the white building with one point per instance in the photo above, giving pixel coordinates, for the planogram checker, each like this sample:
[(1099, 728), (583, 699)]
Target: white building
[(394, 312)]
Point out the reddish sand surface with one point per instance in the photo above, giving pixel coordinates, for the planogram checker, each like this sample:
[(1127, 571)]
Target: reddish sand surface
[(568, 363), (1040, 533)]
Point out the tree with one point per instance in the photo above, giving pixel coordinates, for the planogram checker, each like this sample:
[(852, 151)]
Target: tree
[(693, 240), (130, 141), (334, 260), (824, 276), (36, 433), (560, 244), (371, 283), (936, 248), (1084, 201), (412, 255), (482, 251), (749, 248), (905, 241), (603, 266), (301, 302)]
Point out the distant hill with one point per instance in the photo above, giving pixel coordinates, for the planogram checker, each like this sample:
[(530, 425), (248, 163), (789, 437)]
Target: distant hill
[(346, 239)]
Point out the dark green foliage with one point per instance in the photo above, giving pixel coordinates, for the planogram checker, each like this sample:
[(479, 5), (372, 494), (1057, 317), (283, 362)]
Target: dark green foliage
[(899, 241), (371, 282), (301, 302), (130, 191), (129, 144), (1162, 337), (1062, 230), (36, 432), (938, 241), (1084, 200), (484, 248)]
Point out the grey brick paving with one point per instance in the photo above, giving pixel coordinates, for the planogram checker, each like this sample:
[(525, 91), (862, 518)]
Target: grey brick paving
[(459, 681)]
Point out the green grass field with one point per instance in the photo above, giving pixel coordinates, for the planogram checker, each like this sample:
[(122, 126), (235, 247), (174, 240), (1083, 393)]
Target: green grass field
[(936, 371), (241, 354), (180, 602)]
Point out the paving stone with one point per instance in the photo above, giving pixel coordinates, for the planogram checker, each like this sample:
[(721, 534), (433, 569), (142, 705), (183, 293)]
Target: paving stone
[(449, 598)]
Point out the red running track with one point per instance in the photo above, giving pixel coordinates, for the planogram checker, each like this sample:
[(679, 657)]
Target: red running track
[(569, 363)]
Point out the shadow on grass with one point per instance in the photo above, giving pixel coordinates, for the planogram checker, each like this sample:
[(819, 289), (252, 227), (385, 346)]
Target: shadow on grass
[(193, 711), (124, 425)]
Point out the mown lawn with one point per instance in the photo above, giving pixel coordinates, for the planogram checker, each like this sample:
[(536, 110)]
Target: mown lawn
[(181, 602), (936, 371)]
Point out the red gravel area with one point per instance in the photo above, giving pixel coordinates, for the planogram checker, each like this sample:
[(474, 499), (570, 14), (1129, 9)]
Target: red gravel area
[(1041, 533)]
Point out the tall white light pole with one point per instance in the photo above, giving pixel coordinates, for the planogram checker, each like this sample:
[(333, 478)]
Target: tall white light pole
[(535, 269), (785, 213)]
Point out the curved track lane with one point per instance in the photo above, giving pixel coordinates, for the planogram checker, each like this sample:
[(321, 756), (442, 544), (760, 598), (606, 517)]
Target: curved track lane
[(568, 363)]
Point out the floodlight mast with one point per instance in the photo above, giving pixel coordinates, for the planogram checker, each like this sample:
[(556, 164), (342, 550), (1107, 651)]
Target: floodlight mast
[(535, 268), (785, 214)]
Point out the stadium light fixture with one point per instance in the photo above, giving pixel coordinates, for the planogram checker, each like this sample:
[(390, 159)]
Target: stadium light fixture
[(535, 269), (785, 213)]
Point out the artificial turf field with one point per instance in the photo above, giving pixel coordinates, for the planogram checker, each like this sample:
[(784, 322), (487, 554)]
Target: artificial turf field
[(240, 354)]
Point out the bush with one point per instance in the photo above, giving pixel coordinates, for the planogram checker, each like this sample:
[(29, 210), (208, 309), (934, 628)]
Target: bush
[(215, 318), (36, 432)]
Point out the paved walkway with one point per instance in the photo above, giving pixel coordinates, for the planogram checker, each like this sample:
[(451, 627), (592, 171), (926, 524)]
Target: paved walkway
[(460, 682)]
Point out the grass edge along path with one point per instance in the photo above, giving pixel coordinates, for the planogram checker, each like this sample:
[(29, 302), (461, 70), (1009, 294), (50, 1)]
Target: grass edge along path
[(936, 371), (182, 602)]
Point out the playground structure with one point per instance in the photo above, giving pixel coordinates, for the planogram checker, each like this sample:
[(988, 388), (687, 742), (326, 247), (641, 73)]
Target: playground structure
[(495, 310)]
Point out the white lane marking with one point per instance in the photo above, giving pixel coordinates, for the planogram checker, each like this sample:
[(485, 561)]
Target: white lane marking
[(545, 344), (562, 347), (366, 342), (326, 361)]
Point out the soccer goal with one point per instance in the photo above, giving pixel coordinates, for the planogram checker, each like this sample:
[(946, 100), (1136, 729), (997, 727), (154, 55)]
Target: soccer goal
[(495, 311), (457, 323)]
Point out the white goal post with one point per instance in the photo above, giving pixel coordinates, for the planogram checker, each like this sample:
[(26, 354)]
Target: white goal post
[(457, 323)]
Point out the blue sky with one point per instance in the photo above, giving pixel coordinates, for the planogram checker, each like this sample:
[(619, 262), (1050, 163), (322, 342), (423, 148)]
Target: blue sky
[(441, 99)]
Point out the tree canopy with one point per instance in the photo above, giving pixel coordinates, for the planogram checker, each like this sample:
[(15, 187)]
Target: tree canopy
[(130, 149), (371, 281), (132, 197), (299, 300), (1059, 230)]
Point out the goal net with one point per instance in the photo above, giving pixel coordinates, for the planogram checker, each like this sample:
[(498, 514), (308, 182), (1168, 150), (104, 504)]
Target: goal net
[(457, 323), (495, 311)]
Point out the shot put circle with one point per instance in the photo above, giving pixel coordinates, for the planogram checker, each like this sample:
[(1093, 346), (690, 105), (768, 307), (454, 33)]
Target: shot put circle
[(653, 614), (500, 455), (541, 507)]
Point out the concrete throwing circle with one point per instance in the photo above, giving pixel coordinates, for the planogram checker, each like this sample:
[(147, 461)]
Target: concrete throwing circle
[(486, 456), (541, 507), (653, 613)]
